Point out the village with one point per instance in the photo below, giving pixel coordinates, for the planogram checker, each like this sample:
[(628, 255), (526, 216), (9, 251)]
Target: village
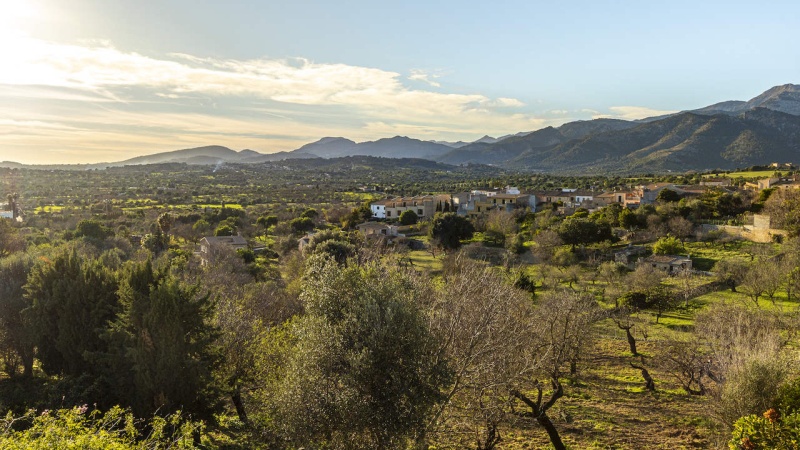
[(640, 276)]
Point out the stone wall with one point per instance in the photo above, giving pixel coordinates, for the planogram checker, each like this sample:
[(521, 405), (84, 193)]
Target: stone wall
[(748, 232), (761, 221)]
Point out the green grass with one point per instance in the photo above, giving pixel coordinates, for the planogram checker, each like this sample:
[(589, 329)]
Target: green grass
[(704, 256), (754, 174), (422, 260), (48, 209), (782, 303), (208, 205)]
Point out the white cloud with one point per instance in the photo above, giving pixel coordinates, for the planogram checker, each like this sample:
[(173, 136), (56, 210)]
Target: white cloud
[(298, 81), (629, 113), (502, 102), (116, 99)]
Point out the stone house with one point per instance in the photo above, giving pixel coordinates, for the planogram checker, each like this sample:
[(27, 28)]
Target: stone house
[(210, 245), (668, 263)]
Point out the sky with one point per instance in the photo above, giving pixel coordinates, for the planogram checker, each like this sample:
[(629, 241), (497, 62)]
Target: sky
[(86, 81)]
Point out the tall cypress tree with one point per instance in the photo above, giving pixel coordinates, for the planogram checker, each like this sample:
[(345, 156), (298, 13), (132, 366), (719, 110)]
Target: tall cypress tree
[(164, 345)]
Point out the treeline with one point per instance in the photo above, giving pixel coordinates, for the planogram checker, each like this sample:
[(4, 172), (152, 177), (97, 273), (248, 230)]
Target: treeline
[(350, 351)]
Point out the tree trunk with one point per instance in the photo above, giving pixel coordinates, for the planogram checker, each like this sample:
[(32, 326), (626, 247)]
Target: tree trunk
[(631, 341), (492, 437), (27, 364), (649, 383), (236, 397), (555, 439)]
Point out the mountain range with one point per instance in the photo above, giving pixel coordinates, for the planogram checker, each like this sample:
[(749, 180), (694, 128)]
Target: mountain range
[(725, 135)]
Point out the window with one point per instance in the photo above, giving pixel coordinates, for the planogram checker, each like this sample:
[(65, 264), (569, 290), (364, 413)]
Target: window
[(419, 212), (388, 214)]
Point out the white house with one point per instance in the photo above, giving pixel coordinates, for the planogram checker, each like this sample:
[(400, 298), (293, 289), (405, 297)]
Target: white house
[(379, 209)]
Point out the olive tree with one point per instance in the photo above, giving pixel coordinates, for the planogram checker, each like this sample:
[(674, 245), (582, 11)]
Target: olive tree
[(482, 324), (361, 368), (561, 330)]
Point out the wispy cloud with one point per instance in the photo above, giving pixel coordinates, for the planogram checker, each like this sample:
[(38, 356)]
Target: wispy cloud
[(629, 113), (100, 100), (296, 81), (425, 76)]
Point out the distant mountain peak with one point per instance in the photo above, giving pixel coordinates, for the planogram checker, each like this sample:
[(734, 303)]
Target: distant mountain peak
[(487, 139), (328, 140)]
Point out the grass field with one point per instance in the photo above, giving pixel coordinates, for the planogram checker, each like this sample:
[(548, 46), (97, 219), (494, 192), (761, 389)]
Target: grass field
[(48, 209), (422, 260), (704, 256), (607, 407), (746, 175)]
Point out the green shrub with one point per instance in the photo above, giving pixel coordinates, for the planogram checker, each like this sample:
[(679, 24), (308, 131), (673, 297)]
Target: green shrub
[(78, 428), (408, 217), (770, 430), (669, 245)]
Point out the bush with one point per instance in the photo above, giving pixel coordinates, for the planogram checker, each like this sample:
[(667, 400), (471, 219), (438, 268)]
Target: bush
[(408, 217), (750, 389), (494, 238), (311, 213), (447, 230), (770, 430), (668, 245), (79, 428), (247, 255), (223, 230), (789, 396), (301, 224), (517, 244)]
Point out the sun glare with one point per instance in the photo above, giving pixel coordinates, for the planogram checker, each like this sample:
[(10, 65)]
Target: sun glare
[(16, 16), (17, 20)]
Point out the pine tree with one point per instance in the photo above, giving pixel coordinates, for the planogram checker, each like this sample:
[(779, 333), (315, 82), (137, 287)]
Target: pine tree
[(72, 302), (16, 339)]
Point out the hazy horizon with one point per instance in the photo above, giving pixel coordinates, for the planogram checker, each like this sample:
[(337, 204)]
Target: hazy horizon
[(93, 81)]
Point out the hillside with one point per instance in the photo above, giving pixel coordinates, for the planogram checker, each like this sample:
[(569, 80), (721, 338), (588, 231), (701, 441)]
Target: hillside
[(683, 142), (396, 147)]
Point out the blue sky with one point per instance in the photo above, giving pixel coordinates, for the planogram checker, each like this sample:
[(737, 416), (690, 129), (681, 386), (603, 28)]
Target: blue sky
[(102, 80)]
